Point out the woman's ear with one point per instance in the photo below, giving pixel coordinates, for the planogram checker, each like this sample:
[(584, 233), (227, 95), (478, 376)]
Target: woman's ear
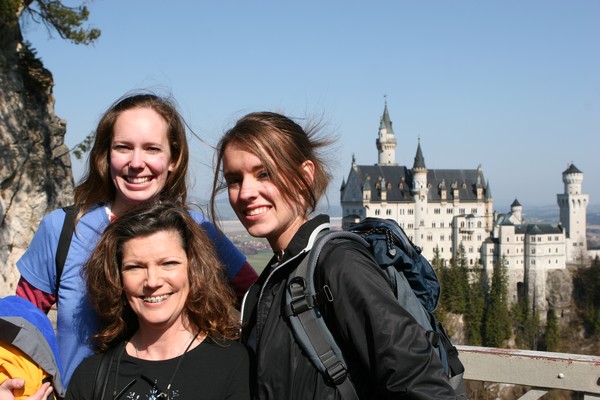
[(308, 168)]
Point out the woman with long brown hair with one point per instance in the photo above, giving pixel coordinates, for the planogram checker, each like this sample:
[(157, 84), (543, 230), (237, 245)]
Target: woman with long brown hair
[(167, 312)]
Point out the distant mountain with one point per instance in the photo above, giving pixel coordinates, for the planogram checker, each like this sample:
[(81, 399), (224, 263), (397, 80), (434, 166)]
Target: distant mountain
[(227, 214), (548, 214)]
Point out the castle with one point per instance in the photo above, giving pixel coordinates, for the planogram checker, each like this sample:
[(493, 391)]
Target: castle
[(445, 208)]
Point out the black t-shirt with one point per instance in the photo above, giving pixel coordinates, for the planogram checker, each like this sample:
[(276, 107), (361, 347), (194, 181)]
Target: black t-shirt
[(209, 371)]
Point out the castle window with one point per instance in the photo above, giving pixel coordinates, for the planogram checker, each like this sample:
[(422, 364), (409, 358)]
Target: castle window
[(473, 211), (389, 185), (462, 224), (449, 211), (377, 212), (461, 211), (442, 225), (411, 226), (442, 237), (479, 224), (422, 223), (401, 211), (388, 212), (411, 211), (429, 238), (433, 224), (436, 210)]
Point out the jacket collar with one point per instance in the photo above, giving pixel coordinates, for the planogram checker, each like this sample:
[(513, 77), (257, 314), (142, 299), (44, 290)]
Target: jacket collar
[(305, 234)]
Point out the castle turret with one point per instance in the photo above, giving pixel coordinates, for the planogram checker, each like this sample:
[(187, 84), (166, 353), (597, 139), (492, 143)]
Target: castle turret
[(517, 212), (386, 141), (420, 190), (573, 204)]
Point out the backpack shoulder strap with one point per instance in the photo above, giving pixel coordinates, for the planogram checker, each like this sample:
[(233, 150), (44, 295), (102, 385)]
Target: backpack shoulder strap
[(64, 241), (101, 382), (308, 326)]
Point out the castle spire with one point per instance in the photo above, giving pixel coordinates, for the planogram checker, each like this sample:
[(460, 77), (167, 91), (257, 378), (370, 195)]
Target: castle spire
[(386, 140), (419, 159)]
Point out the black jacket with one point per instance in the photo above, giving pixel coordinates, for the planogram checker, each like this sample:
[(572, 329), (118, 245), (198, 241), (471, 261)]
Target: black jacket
[(387, 352)]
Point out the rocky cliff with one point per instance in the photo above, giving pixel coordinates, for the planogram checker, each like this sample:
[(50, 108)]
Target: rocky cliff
[(35, 164)]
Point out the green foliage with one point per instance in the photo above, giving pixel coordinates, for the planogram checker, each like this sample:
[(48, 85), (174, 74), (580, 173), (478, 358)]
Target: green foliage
[(456, 283), (9, 10), (552, 336), (587, 295), (80, 149), (497, 324), (475, 312), (527, 325), (66, 21)]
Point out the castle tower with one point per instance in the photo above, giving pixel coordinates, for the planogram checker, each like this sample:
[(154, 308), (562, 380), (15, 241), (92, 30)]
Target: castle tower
[(573, 204), (386, 142), (420, 190), (517, 211)]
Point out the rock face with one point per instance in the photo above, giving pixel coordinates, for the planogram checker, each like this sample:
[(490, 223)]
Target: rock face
[(35, 164)]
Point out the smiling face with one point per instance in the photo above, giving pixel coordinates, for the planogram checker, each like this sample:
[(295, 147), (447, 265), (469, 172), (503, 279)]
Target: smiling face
[(140, 157), (155, 279), (256, 200)]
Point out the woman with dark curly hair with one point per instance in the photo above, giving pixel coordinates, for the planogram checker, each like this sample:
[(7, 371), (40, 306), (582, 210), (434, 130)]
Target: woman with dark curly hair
[(166, 310)]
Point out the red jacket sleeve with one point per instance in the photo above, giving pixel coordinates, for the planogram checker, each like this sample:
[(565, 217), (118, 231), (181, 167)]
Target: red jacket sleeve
[(41, 300), (242, 281)]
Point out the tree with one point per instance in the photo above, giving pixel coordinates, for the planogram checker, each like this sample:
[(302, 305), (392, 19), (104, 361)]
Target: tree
[(526, 322), (587, 290), (57, 17), (475, 312), (497, 325), (456, 283), (552, 337)]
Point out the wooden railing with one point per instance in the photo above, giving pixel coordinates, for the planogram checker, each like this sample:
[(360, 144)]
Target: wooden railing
[(540, 371)]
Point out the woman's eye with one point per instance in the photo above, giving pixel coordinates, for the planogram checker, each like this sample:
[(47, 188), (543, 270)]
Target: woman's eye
[(130, 267), (263, 175), (120, 147), (232, 182)]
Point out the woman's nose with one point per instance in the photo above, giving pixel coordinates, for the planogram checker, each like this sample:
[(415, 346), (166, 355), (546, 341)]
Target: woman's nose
[(249, 189), (153, 278), (137, 159)]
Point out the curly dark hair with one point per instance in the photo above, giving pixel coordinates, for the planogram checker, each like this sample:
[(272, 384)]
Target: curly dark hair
[(209, 307)]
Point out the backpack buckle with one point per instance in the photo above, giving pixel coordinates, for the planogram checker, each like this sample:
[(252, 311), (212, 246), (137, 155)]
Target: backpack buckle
[(337, 373), (300, 302)]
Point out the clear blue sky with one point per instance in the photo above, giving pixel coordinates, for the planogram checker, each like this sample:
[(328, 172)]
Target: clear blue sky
[(511, 85)]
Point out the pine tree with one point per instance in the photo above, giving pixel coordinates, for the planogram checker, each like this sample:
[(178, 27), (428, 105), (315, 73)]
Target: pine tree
[(526, 323), (476, 308), (552, 337), (60, 18), (497, 325), (587, 288), (456, 283)]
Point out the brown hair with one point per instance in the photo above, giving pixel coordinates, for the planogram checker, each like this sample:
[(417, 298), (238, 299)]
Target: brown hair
[(209, 307), (97, 185), (282, 146)]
